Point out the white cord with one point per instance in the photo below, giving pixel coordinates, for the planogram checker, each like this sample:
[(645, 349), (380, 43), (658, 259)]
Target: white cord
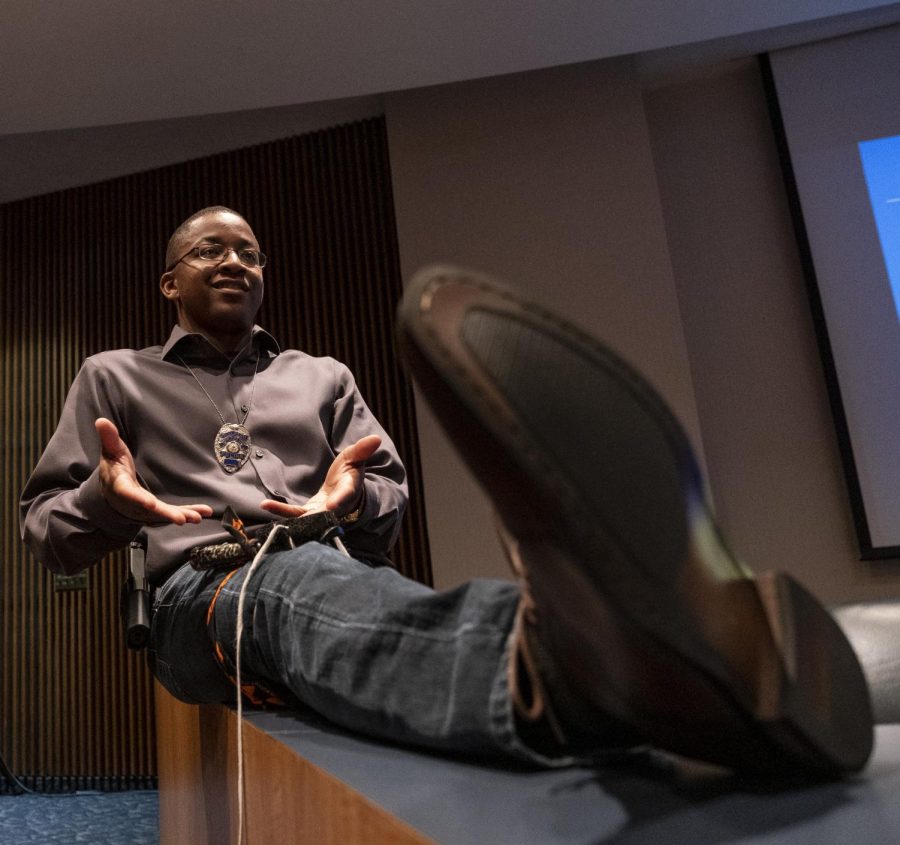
[(237, 663), (237, 675)]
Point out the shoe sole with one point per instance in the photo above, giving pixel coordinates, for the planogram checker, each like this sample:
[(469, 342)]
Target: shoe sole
[(654, 620)]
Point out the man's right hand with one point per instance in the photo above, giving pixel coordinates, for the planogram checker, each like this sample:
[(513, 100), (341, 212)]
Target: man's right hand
[(123, 492)]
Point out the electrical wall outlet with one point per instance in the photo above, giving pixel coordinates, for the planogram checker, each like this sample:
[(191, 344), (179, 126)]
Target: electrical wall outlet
[(66, 583)]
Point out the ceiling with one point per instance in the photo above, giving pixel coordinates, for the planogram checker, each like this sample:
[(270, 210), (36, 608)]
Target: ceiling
[(95, 89), (69, 65)]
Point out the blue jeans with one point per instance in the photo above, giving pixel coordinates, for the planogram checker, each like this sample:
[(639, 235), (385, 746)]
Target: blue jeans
[(366, 647)]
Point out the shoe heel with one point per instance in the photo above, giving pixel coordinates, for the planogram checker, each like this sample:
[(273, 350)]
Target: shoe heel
[(823, 710)]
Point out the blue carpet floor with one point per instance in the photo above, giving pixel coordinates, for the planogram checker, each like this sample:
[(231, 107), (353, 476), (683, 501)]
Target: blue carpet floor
[(94, 818)]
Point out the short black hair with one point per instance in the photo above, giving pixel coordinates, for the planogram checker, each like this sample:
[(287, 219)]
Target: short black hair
[(173, 248)]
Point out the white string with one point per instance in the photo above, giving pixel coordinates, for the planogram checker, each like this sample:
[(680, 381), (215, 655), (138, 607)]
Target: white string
[(237, 676)]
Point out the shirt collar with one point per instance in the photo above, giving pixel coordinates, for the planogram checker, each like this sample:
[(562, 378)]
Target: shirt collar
[(182, 342)]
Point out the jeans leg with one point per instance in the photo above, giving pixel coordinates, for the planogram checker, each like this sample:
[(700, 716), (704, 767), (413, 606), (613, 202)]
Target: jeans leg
[(364, 646), (378, 653), (180, 650)]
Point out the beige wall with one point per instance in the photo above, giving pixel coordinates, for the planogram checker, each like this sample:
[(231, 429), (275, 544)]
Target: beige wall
[(656, 216), (546, 179)]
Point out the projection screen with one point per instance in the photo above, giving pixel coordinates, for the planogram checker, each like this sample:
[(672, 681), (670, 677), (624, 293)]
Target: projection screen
[(839, 104)]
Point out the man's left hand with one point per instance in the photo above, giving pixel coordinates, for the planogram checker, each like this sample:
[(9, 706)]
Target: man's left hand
[(342, 490)]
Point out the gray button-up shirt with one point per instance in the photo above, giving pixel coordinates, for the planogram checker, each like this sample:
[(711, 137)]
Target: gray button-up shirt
[(303, 411)]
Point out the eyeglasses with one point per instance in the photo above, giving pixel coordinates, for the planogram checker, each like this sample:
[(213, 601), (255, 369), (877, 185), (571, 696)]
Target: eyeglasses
[(216, 253)]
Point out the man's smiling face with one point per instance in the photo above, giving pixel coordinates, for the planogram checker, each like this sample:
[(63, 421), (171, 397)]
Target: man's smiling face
[(218, 298)]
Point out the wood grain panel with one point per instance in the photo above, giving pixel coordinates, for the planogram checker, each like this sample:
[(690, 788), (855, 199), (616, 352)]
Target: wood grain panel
[(288, 799)]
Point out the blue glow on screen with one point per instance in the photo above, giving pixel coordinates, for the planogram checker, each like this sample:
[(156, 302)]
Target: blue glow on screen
[(881, 167)]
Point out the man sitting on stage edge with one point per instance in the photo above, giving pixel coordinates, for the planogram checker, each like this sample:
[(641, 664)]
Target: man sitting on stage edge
[(632, 623)]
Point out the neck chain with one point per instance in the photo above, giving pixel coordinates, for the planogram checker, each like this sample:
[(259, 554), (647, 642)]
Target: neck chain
[(231, 446)]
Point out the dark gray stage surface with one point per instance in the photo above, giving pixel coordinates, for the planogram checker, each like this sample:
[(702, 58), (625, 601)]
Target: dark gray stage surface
[(645, 799)]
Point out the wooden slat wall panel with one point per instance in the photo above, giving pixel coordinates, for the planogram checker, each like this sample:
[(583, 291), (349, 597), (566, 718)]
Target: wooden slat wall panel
[(80, 270)]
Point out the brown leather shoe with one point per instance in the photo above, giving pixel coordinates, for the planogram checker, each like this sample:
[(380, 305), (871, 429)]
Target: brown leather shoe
[(633, 609)]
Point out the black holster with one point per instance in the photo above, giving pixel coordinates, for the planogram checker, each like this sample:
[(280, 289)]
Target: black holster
[(135, 604)]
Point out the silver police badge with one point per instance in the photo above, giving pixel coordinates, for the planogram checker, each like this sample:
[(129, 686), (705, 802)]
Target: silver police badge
[(232, 447)]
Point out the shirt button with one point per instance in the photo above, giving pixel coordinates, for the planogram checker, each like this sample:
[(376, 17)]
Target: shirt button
[(259, 453), (276, 493), (245, 408)]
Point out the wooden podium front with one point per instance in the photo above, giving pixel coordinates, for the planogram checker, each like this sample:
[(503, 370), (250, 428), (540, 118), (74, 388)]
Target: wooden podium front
[(288, 799)]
